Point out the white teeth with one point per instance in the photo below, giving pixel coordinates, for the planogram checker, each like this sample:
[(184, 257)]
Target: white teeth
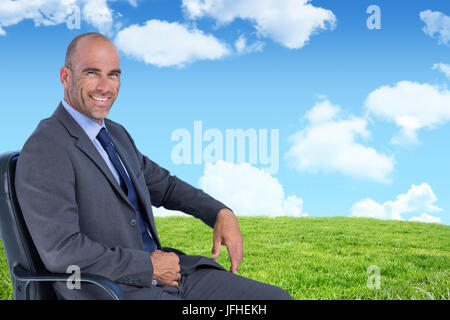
[(99, 99)]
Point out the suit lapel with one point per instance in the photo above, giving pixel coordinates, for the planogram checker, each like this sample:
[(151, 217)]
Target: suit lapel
[(86, 146)]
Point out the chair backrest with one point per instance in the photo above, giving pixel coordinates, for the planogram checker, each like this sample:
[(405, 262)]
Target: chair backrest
[(17, 242)]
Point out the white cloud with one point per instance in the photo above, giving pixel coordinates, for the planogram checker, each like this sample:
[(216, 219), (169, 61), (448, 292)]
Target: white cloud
[(369, 208), (412, 106), (41, 12), (248, 191), (243, 47), (323, 111), (163, 212), (133, 3), (442, 67), (54, 12), (329, 144), (418, 199), (98, 14), (289, 22), (437, 25), (426, 218), (169, 44)]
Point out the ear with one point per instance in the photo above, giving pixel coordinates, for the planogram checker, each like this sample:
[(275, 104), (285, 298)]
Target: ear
[(65, 75)]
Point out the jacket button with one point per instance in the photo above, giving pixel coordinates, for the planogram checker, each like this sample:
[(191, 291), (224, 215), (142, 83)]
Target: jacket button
[(132, 222)]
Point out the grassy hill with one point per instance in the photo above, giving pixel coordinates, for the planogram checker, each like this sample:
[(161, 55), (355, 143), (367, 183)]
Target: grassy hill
[(324, 258)]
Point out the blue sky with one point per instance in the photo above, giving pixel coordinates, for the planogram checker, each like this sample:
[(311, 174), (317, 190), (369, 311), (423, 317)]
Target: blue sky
[(362, 114)]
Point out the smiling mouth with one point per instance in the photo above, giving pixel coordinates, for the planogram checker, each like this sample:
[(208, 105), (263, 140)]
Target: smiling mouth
[(101, 101)]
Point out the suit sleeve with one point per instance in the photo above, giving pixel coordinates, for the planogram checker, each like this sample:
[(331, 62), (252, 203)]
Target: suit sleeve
[(174, 194), (45, 185)]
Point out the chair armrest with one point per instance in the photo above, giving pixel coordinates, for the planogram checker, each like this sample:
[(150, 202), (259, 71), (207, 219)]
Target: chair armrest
[(110, 287)]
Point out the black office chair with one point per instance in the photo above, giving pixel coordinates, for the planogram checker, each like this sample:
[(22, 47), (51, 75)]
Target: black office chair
[(30, 279)]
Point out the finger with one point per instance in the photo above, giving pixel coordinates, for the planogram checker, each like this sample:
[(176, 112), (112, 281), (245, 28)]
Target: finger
[(175, 280), (235, 265), (236, 255), (217, 243)]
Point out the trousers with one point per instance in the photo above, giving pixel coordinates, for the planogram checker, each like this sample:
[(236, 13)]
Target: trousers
[(208, 281), (213, 284)]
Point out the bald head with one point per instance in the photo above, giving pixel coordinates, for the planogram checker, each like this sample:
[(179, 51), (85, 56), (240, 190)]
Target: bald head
[(72, 48)]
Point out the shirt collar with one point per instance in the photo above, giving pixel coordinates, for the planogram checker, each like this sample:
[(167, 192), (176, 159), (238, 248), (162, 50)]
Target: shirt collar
[(89, 126)]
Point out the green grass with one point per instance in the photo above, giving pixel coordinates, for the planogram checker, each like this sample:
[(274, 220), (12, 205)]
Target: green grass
[(323, 258)]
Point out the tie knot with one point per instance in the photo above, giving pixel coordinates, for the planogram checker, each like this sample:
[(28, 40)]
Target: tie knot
[(104, 138)]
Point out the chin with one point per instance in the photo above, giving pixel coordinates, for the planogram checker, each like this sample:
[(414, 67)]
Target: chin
[(101, 116), (98, 116)]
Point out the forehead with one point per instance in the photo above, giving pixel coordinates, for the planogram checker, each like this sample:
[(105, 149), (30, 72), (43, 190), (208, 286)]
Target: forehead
[(96, 52)]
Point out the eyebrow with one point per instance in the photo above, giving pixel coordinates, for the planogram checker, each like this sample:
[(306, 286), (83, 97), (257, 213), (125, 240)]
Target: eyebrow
[(98, 70)]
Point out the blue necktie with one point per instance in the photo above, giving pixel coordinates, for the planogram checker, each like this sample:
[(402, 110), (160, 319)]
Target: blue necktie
[(127, 186)]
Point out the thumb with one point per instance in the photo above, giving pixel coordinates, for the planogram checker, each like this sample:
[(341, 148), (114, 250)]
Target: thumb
[(217, 243)]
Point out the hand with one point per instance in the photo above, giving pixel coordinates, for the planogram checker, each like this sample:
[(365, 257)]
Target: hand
[(226, 232), (166, 267)]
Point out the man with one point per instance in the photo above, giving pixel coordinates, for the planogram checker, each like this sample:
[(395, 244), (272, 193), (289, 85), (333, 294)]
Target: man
[(86, 194)]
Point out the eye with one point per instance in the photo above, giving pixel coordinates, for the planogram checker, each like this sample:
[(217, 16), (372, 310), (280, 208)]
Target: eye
[(115, 75), (91, 73)]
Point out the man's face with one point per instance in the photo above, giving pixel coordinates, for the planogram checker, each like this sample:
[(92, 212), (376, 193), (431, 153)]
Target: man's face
[(92, 82)]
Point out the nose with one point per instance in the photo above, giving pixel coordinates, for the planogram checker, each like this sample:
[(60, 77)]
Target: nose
[(104, 84)]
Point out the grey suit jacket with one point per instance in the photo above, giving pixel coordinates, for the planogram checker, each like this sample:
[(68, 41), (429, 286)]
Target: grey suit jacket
[(77, 213)]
